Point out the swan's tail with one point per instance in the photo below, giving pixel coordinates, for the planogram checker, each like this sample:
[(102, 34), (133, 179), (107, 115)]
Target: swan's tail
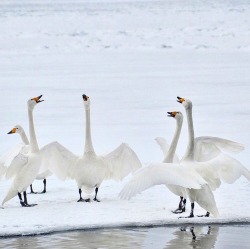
[(11, 193), (215, 212)]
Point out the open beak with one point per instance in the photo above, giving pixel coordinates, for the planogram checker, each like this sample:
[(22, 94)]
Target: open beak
[(180, 100), (12, 131), (172, 114), (38, 99), (85, 97)]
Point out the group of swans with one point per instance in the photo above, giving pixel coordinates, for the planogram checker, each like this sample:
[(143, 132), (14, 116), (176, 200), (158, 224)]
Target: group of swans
[(200, 171), (89, 170), (204, 160)]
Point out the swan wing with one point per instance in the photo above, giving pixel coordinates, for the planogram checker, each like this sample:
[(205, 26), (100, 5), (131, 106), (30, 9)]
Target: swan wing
[(230, 169), (222, 168), (122, 161), (157, 174), (16, 165), (7, 158), (207, 148), (57, 159), (165, 148)]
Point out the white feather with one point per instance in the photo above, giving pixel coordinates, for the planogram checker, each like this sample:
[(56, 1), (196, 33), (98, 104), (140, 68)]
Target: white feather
[(165, 148), (161, 173), (121, 162)]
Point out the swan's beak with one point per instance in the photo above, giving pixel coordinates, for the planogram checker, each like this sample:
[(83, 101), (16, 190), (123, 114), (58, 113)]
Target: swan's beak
[(172, 114), (85, 97), (12, 131), (180, 100), (38, 99)]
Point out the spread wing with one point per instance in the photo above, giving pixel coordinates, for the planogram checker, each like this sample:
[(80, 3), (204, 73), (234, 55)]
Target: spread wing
[(157, 174), (16, 165), (222, 168), (165, 148), (57, 159), (14, 159), (121, 162), (207, 148), (7, 158)]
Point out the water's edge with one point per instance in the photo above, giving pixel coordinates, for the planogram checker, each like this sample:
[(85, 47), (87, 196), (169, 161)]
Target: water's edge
[(125, 226)]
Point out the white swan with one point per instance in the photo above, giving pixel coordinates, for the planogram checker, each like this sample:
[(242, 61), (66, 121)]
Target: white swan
[(204, 196), (173, 175), (89, 170), (221, 167), (18, 129), (205, 149), (28, 163), (170, 157)]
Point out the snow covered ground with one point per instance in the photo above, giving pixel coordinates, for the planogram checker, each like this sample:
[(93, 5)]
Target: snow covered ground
[(132, 58)]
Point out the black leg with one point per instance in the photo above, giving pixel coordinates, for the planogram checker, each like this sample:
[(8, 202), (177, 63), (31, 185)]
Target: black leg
[(44, 186), (31, 190), (191, 213), (26, 201), (21, 200), (96, 191), (81, 199), (181, 208), (184, 205)]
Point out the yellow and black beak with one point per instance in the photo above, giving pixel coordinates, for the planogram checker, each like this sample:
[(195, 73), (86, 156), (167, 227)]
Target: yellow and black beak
[(38, 99), (172, 114), (180, 100), (12, 131), (85, 97)]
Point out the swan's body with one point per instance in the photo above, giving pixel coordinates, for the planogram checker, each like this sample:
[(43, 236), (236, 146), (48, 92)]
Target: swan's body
[(41, 175), (89, 170), (204, 196), (28, 164), (217, 165), (174, 176), (211, 162)]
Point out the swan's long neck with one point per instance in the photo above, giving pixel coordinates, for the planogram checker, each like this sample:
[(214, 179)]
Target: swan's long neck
[(170, 155), (88, 141), (24, 138), (189, 155), (33, 141)]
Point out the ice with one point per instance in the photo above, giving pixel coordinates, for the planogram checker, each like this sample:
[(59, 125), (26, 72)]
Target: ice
[(132, 58)]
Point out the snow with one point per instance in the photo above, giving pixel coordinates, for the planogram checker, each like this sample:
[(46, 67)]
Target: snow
[(132, 58)]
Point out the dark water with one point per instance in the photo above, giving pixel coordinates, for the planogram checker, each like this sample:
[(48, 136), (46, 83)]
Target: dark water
[(204, 237)]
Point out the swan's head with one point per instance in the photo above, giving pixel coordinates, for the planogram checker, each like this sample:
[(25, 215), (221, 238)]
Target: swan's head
[(32, 102), (176, 115), (86, 101), (185, 102), (17, 129)]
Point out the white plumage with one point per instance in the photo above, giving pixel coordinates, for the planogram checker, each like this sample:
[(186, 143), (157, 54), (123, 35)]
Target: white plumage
[(175, 176), (13, 166), (90, 169), (28, 164)]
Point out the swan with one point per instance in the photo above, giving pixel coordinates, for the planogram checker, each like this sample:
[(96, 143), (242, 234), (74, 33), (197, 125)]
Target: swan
[(205, 149), (204, 196), (222, 167), (18, 129), (90, 170), (28, 163), (173, 175), (172, 157)]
